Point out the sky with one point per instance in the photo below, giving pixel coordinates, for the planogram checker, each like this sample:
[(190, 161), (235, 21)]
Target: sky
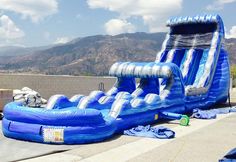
[(43, 22)]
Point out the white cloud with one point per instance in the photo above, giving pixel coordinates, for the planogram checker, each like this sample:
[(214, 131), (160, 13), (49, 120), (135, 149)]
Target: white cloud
[(62, 40), (117, 26), (36, 10), (153, 12), (219, 4), (232, 33), (8, 30)]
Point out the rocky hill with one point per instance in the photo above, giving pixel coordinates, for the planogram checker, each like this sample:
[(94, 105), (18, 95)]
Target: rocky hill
[(7, 51), (92, 55), (230, 45)]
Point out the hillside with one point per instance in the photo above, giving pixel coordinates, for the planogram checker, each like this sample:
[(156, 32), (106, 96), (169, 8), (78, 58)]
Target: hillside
[(230, 45), (92, 55), (7, 51)]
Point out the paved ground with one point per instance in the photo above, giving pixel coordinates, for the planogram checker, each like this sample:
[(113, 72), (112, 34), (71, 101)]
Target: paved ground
[(233, 95), (203, 140)]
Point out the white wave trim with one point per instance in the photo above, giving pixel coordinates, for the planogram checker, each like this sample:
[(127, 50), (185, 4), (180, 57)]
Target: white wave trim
[(163, 48), (210, 60)]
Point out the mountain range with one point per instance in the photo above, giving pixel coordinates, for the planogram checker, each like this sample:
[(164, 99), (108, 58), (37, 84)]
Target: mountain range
[(92, 55)]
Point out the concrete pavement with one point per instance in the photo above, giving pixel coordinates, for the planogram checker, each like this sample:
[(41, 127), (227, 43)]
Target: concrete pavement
[(203, 140)]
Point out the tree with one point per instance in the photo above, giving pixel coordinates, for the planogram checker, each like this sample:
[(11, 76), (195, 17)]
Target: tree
[(233, 71)]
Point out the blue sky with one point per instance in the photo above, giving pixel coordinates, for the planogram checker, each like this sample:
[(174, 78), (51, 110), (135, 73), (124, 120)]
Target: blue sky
[(37, 23)]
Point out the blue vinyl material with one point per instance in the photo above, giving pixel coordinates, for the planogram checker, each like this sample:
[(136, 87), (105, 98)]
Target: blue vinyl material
[(190, 71), (160, 132), (212, 113)]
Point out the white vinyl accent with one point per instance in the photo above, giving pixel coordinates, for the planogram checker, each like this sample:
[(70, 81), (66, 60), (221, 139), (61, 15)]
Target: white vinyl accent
[(170, 55), (198, 18), (52, 101), (142, 70), (136, 102), (117, 107), (121, 67), (189, 58), (138, 70), (151, 98), (163, 48), (187, 62), (113, 68), (130, 69), (210, 60), (84, 103)]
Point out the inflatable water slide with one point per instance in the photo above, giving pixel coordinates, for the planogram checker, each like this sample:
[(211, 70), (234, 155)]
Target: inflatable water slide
[(190, 71)]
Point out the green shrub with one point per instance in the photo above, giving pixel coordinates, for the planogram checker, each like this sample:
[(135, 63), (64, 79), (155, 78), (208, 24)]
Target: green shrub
[(233, 71)]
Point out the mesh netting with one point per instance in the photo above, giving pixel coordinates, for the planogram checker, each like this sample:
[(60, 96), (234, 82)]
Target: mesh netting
[(190, 40)]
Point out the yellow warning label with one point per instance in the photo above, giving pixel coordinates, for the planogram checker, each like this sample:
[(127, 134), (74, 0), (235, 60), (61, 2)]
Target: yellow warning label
[(156, 116), (53, 135)]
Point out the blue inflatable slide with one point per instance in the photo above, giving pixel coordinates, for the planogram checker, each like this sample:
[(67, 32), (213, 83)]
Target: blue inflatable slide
[(190, 71)]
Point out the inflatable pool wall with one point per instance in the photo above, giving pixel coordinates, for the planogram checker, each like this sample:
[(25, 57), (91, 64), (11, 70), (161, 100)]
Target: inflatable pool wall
[(191, 71)]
